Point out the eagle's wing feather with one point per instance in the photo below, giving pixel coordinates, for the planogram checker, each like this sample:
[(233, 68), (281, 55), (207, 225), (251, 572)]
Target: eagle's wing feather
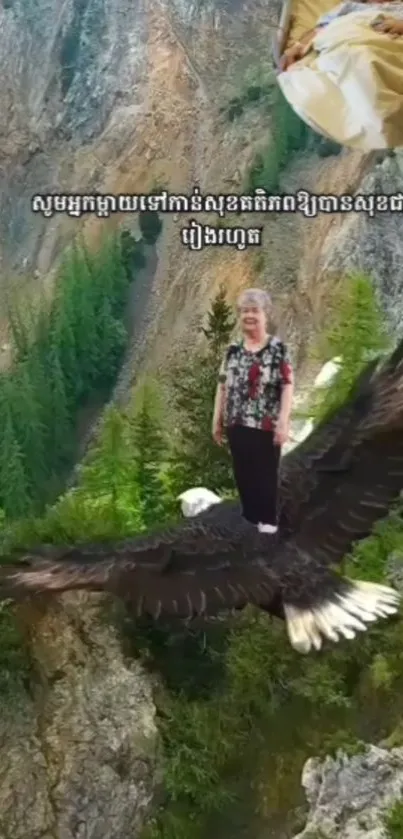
[(281, 578), (351, 471), (206, 564), (320, 604), (300, 468)]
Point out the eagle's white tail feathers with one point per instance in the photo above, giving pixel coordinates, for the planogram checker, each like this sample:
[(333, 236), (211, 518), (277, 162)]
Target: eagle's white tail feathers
[(344, 616)]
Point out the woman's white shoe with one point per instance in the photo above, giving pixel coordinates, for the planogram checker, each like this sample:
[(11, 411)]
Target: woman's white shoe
[(267, 528)]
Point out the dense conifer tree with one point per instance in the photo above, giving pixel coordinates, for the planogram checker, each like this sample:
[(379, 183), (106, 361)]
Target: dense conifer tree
[(149, 451), (356, 334), (30, 430), (20, 319), (108, 270), (61, 422), (220, 323), (111, 335), (63, 337), (65, 352), (109, 472), (14, 488), (197, 460), (86, 325)]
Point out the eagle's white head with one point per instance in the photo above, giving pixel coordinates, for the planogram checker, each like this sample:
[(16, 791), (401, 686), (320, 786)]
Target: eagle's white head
[(197, 500)]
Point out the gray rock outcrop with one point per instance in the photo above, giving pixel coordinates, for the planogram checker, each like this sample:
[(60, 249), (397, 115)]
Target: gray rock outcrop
[(349, 797), (79, 748), (373, 244)]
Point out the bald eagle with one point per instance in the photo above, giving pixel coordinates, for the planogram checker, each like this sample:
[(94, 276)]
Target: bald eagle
[(333, 488)]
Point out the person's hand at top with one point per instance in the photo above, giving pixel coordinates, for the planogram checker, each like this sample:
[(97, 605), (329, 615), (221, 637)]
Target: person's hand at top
[(389, 25), (292, 55), (298, 50)]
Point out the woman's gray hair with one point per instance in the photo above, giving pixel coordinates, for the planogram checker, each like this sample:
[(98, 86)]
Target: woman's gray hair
[(255, 297)]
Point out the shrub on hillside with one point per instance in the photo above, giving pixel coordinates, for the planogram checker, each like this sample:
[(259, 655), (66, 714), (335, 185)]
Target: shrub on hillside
[(356, 333)]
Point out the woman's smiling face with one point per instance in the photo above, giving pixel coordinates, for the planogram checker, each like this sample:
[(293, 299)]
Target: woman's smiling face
[(253, 319)]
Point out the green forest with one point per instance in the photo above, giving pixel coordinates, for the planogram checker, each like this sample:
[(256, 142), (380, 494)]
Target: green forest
[(239, 711), (64, 359)]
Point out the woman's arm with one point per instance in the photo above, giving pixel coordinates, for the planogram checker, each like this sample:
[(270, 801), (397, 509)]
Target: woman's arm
[(287, 381), (219, 405), (287, 393)]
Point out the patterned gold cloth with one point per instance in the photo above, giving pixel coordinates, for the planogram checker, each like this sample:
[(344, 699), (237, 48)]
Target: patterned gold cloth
[(350, 87)]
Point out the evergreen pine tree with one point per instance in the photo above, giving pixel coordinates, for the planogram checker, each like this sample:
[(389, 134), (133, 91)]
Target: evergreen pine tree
[(14, 490), (196, 459), (78, 298), (39, 349), (112, 338), (61, 422), (20, 319), (62, 337), (149, 448), (220, 323), (30, 430), (37, 371), (109, 473), (289, 134), (110, 280)]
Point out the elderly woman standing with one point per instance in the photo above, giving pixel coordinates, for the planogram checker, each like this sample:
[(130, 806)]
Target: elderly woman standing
[(252, 408)]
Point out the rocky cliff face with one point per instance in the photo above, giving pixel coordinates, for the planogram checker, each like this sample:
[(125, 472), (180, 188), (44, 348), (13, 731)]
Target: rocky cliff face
[(79, 748), (123, 95), (349, 797), (373, 245)]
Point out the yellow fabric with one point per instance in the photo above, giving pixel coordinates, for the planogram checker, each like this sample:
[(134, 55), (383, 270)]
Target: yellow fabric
[(350, 88), (305, 14)]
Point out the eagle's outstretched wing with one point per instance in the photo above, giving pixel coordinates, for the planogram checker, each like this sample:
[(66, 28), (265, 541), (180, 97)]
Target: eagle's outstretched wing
[(165, 576), (346, 475), (215, 563), (207, 564)]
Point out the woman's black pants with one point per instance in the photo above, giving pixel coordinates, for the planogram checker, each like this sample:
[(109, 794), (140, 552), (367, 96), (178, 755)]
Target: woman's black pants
[(255, 459)]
